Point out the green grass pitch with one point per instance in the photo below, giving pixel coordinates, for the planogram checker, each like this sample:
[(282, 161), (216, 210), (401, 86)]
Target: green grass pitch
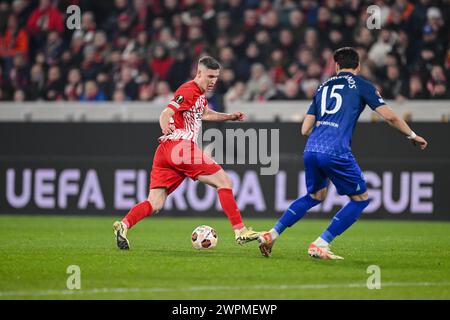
[(35, 252)]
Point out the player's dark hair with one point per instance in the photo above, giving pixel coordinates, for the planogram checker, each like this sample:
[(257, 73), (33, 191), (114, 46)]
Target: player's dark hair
[(209, 62), (346, 58)]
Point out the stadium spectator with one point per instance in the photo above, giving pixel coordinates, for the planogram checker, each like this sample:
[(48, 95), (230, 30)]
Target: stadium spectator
[(432, 42), (293, 40), (251, 22), (258, 77), (251, 57), (163, 94), (146, 88), (22, 10), (74, 87), (111, 23), (393, 84), (101, 46), (128, 83), (363, 38), (53, 48), (226, 81), (91, 64), (287, 43), (266, 91), (18, 75), (104, 85), (304, 58), (309, 88), (271, 24), (5, 12), (379, 50), (179, 70), (436, 22), (37, 82), (54, 86), (119, 96), (235, 93), (415, 89), (161, 61), (297, 24), (327, 58), (91, 93), (277, 66), (43, 19), (265, 46), (142, 15), (88, 27), (437, 84), (291, 91), (19, 96), (13, 41)]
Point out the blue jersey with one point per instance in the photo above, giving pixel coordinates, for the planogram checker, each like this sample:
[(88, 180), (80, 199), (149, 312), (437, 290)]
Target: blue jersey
[(337, 105)]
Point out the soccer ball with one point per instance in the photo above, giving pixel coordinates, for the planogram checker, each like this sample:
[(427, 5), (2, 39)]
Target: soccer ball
[(204, 237)]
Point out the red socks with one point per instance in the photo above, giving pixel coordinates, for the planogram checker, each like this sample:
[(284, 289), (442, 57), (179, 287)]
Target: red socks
[(137, 213), (230, 207), (144, 209)]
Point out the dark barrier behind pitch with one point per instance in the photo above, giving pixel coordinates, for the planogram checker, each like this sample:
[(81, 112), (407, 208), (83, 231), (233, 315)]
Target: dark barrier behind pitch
[(102, 168)]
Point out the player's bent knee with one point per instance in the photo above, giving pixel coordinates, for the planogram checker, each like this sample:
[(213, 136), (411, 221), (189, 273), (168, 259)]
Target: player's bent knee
[(227, 182), (360, 197), (224, 181), (157, 201), (157, 205), (319, 195)]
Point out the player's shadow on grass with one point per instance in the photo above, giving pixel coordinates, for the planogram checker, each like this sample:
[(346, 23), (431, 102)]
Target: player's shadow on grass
[(347, 262), (189, 253)]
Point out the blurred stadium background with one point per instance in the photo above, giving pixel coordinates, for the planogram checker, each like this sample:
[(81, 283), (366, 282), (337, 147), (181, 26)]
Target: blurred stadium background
[(79, 111)]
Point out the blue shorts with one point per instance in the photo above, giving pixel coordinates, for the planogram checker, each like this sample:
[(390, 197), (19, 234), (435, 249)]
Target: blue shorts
[(344, 173)]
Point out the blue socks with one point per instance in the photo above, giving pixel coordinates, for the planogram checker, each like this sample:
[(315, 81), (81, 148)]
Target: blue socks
[(341, 221), (295, 212), (344, 219)]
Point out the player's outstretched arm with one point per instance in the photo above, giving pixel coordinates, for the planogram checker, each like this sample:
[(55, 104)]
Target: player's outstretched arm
[(211, 115), (164, 121), (398, 123), (308, 124)]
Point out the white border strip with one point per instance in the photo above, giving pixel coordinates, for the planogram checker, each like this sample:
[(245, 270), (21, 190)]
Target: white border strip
[(216, 288)]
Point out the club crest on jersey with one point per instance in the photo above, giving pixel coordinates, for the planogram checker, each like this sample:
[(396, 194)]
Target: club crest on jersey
[(179, 99), (198, 115)]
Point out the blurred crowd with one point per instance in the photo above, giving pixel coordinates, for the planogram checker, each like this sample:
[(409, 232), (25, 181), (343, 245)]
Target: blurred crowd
[(142, 50)]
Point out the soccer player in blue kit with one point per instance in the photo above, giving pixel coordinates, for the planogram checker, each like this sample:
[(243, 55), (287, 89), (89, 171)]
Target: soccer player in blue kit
[(329, 123)]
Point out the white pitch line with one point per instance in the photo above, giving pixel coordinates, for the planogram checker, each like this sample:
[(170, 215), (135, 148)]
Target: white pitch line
[(216, 288)]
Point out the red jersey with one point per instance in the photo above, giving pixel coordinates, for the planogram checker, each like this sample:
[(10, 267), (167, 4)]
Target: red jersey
[(189, 103)]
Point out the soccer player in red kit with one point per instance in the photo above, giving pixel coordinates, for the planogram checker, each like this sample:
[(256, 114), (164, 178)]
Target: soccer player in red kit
[(178, 155)]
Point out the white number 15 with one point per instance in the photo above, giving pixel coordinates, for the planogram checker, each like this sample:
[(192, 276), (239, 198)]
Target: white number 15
[(337, 96)]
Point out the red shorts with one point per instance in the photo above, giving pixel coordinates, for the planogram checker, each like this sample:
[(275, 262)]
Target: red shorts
[(175, 160)]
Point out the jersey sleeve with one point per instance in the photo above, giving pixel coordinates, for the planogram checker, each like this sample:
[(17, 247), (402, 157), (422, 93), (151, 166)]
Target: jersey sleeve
[(182, 100), (313, 107), (371, 95)]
